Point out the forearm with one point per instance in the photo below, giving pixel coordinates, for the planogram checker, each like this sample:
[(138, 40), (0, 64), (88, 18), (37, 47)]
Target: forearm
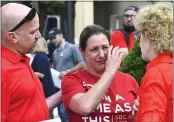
[(78, 66), (38, 74), (54, 100), (91, 99)]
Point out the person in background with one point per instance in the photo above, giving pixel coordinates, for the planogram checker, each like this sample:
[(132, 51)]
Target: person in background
[(155, 22), (51, 45), (31, 56), (41, 64), (22, 93), (100, 92), (125, 38)]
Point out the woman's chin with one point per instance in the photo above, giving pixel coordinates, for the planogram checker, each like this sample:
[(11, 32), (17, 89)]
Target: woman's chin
[(144, 58), (101, 69)]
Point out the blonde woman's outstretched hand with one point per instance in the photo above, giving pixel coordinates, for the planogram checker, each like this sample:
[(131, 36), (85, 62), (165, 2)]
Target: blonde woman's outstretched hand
[(135, 107)]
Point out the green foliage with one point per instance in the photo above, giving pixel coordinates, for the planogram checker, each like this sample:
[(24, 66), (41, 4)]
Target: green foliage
[(52, 7), (133, 64)]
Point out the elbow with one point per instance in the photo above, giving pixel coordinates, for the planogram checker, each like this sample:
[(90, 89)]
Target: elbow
[(86, 111)]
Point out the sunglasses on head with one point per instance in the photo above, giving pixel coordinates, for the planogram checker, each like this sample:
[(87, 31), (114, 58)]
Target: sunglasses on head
[(27, 18)]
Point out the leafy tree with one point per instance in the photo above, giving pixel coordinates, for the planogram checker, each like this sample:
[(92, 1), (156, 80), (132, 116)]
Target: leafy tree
[(52, 7), (133, 64)]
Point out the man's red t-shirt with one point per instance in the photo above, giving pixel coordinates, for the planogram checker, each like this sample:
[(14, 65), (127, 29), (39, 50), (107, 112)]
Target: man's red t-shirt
[(117, 39), (23, 99), (116, 105)]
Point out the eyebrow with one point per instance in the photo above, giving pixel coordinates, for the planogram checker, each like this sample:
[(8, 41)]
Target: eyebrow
[(97, 46)]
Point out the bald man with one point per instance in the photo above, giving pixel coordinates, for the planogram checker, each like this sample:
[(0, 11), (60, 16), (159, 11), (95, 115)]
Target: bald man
[(22, 93)]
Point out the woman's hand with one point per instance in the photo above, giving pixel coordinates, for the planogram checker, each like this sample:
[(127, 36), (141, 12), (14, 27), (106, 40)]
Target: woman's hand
[(114, 59), (38, 74)]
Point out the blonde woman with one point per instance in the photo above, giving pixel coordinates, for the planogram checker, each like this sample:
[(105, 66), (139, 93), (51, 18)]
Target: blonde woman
[(41, 64), (155, 96)]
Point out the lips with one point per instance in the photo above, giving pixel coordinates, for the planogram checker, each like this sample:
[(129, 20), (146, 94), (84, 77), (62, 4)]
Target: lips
[(129, 23), (101, 62)]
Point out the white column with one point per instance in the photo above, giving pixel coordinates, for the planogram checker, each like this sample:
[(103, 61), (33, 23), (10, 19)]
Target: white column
[(84, 15)]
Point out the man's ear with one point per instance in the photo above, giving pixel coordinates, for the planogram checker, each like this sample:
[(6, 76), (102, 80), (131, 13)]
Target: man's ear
[(12, 37)]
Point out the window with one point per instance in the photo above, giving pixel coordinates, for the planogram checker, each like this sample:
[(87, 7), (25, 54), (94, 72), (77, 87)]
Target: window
[(115, 22)]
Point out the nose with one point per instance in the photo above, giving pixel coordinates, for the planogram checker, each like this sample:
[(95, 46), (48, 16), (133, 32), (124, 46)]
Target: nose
[(38, 34), (129, 18), (101, 53)]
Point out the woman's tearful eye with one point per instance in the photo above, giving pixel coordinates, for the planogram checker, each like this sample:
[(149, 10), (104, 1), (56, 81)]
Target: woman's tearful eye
[(105, 48), (94, 49)]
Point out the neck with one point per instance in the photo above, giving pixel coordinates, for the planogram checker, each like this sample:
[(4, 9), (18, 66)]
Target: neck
[(99, 74), (153, 56), (62, 44)]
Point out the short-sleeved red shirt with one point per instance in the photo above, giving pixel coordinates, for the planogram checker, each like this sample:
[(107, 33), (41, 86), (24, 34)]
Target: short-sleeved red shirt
[(117, 39), (22, 93), (117, 103), (156, 98)]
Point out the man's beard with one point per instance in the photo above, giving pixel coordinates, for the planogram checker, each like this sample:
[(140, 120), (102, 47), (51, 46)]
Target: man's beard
[(58, 44), (129, 28)]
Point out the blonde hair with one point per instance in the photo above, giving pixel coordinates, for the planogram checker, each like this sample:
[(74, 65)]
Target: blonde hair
[(156, 23), (41, 46)]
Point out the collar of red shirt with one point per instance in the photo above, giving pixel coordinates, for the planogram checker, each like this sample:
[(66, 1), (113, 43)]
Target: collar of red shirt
[(162, 58), (12, 56)]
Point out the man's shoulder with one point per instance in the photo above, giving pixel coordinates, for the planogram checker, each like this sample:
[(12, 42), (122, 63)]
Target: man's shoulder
[(117, 34), (5, 63), (117, 31), (70, 44), (8, 68)]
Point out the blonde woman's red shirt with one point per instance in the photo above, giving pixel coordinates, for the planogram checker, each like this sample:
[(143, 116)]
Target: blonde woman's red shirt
[(156, 98)]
